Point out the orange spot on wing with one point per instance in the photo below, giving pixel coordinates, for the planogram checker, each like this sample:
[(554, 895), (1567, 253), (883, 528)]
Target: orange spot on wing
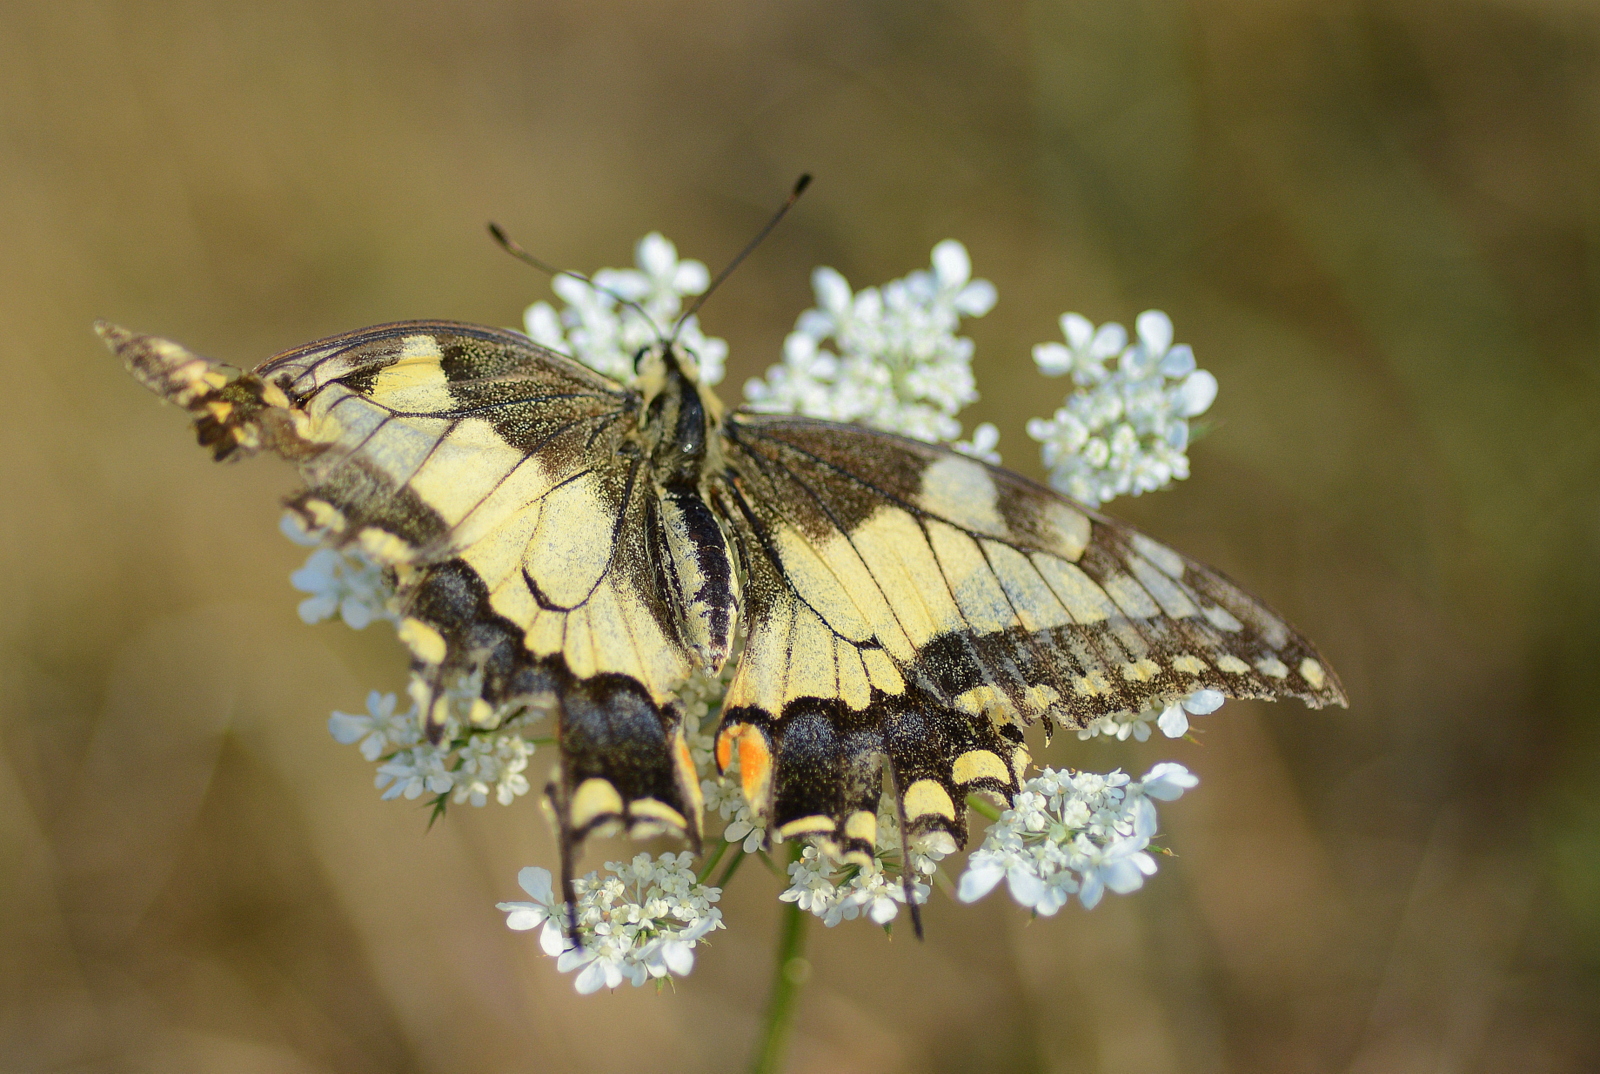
[(725, 746), (755, 767), (755, 760)]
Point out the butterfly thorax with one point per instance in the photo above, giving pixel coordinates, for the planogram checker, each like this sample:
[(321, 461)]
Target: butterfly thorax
[(679, 443)]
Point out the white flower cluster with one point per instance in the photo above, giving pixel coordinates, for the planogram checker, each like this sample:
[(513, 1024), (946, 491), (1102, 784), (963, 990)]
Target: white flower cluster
[(836, 891), (476, 766), (1173, 720), (606, 334), (1123, 430), (886, 357), (341, 581), (640, 923), (1073, 833)]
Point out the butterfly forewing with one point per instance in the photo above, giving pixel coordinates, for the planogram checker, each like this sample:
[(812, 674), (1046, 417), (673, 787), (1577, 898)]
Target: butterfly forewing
[(910, 605), (494, 479)]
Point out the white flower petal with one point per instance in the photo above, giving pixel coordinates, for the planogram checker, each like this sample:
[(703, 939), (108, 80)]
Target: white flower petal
[(347, 729), (979, 880), (536, 882), (523, 916), (832, 290), (316, 609), (1108, 341), (1053, 360), (292, 526), (1178, 362), (1054, 898), (544, 327), (594, 976), (356, 613), (1077, 329), (656, 255), (951, 263), (553, 940), (1199, 391), (883, 910), (1155, 331), (976, 298), (690, 278), (1144, 818), (1167, 781), (1089, 894), (1174, 721), (1026, 886), (678, 956), (573, 957)]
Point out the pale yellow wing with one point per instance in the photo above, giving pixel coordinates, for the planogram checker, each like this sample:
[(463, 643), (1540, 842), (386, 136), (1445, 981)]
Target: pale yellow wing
[(910, 603)]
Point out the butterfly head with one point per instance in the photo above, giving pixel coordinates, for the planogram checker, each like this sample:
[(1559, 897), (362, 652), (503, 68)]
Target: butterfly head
[(653, 364), (668, 368)]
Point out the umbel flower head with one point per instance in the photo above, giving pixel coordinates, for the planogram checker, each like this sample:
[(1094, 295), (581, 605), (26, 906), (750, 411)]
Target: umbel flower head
[(885, 357), (1073, 833), (640, 923), (891, 357), (605, 334), (1124, 430)]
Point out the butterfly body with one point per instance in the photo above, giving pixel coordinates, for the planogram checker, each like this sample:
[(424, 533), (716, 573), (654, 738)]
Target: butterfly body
[(562, 541)]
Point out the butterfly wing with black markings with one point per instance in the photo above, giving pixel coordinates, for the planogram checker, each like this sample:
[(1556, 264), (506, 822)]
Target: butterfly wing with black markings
[(557, 538), (499, 482), (909, 609)]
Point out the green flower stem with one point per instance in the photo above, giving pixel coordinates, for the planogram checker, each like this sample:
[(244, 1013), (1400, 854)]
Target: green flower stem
[(789, 973), (982, 806), (711, 862), (733, 867)]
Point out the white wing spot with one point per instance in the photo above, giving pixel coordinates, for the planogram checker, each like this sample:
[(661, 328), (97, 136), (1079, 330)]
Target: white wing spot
[(962, 491), (1222, 619), (1272, 667), (1070, 528), (1170, 562)]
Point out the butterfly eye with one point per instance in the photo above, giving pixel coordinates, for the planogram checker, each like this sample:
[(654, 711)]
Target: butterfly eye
[(687, 362)]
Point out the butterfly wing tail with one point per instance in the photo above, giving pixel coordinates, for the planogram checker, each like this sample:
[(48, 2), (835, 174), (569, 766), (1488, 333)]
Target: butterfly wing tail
[(236, 414)]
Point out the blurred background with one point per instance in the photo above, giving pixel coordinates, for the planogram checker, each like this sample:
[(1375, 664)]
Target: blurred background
[(1378, 223)]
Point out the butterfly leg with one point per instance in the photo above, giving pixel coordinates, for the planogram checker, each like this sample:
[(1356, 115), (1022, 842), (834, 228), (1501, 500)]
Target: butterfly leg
[(569, 895)]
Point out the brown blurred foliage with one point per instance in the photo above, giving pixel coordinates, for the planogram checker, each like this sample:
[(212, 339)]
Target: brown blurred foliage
[(1378, 223)]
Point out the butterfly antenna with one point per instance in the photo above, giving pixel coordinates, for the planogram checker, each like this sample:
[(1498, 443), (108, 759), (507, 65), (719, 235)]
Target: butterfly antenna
[(512, 247), (794, 196)]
